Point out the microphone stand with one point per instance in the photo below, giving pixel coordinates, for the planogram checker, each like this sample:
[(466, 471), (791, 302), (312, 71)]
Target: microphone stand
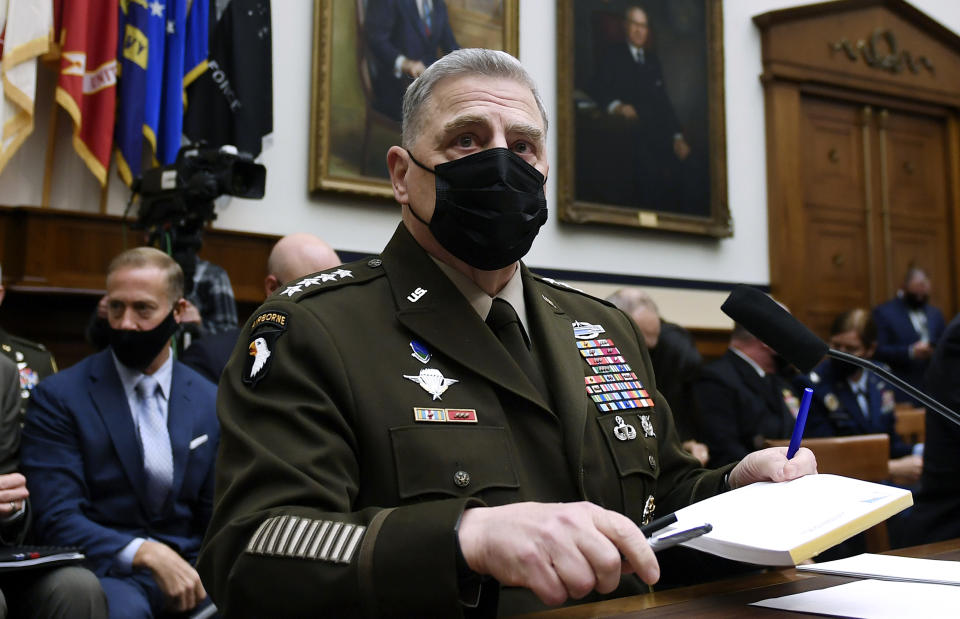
[(926, 400)]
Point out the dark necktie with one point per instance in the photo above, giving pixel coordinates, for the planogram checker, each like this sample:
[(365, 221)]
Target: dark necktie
[(505, 324)]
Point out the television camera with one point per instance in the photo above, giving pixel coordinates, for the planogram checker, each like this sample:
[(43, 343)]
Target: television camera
[(176, 200)]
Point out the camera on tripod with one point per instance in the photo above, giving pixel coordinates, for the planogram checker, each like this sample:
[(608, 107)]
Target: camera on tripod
[(176, 200)]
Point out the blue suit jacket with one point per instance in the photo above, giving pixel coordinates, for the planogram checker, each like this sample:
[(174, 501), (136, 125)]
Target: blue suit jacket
[(394, 27), (895, 334), (836, 412), (81, 455)]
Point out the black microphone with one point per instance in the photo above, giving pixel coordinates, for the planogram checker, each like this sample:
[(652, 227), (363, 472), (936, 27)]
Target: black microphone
[(775, 327)]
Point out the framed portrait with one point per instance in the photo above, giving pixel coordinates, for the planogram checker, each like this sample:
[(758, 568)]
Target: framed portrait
[(641, 116), (365, 53)]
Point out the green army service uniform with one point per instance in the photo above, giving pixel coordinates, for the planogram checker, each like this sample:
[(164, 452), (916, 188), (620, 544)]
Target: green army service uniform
[(367, 406), (34, 363)]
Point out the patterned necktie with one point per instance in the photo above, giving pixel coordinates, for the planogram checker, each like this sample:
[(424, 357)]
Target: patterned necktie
[(505, 324), (427, 17), (155, 439)]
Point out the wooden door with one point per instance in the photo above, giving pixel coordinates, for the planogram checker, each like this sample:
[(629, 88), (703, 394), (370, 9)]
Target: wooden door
[(874, 202)]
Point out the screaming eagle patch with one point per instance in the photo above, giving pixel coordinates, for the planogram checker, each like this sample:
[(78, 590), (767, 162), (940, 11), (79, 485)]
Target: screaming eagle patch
[(266, 328)]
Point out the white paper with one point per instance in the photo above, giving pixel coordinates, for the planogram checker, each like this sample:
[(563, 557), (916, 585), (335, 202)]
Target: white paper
[(874, 599), (888, 567)]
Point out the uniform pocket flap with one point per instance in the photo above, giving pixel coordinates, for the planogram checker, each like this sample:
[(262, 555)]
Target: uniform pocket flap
[(634, 449), (451, 460)]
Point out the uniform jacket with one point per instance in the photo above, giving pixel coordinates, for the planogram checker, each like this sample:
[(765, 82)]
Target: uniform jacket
[(10, 532), (34, 362), (738, 409), (322, 448), (394, 28), (895, 334), (81, 455), (938, 502), (836, 412)]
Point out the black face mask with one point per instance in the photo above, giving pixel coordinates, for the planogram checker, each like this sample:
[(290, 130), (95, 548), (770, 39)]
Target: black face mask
[(915, 301), (136, 349), (843, 370), (490, 206)]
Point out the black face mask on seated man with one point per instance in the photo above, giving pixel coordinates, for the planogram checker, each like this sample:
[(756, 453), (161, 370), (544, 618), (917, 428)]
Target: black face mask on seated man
[(136, 349), (490, 206)]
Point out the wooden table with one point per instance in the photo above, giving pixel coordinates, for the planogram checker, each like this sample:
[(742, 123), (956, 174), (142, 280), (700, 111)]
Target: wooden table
[(730, 597)]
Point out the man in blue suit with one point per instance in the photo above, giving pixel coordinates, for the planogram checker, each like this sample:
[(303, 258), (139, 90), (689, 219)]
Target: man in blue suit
[(405, 37), (908, 329), (119, 449)]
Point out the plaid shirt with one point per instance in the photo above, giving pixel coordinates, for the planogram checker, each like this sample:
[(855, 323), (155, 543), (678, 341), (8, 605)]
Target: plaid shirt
[(213, 296)]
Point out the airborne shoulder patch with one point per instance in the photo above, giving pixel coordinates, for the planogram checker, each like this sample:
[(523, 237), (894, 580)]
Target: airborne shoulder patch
[(265, 329)]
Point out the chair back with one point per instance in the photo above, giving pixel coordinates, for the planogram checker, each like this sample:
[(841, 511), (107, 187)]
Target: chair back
[(862, 456), (910, 423)]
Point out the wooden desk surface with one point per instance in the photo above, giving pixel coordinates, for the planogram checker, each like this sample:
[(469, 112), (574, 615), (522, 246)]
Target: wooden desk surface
[(730, 597)]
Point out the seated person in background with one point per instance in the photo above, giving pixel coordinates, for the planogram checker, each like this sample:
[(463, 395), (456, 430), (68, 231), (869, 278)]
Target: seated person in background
[(676, 363), (34, 362), (69, 591), (119, 449), (422, 425), (935, 516), (293, 256), (210, 304), (908, 329), (849, 400), (742, 400)]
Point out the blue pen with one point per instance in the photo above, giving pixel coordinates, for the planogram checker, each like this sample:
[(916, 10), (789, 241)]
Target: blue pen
[(801, 422)]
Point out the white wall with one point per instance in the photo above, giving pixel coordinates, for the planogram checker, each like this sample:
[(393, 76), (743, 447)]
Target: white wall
[(360, 225)]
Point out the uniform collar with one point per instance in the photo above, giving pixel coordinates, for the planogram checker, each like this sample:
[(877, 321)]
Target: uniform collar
[(481, 302)]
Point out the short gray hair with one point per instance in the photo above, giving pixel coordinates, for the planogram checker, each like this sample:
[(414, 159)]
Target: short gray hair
[(632, 299), (471, 61)]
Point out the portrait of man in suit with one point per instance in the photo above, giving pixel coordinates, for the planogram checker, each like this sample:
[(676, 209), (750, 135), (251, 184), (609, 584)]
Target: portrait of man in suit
[(641, 105), (119, 449), (404, 37)]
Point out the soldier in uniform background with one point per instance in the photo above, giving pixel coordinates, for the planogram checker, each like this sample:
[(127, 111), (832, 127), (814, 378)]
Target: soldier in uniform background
[(436, 430), (34, 361)]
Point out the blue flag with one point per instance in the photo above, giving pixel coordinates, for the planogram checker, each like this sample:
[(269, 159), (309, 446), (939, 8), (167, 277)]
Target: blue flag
[(151, 96)]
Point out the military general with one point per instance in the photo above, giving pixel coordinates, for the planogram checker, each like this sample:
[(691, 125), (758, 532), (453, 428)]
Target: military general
[(437, 431)]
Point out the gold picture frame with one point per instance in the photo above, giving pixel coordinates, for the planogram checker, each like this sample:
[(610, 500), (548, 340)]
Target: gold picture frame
[(630, 170), (351, 123)]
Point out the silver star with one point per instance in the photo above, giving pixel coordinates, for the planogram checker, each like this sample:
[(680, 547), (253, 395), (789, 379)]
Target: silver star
[(291, 290), (328, 277), (309, 281), (343, 273), (156, 9)]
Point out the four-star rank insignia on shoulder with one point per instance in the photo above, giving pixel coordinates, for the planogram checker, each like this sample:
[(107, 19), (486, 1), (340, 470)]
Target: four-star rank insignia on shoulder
[(266, 328)]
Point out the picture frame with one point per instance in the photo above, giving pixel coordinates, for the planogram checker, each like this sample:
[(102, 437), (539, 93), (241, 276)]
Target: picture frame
[(628, 171), (354, 113)]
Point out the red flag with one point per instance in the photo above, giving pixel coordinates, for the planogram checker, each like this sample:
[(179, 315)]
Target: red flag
[(88, 77)]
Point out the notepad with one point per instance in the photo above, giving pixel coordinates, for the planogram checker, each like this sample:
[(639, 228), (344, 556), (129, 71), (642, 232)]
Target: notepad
[(785, 523), (14, 558), (888, 567)]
